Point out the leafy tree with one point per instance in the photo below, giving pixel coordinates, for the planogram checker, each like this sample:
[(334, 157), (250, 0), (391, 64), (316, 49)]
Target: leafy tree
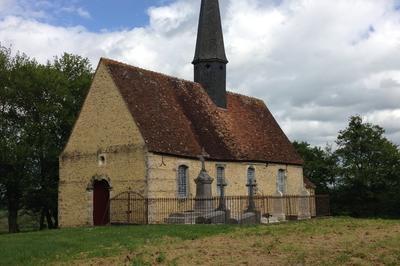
[(320, 165), (13, 144), (369, 170), (362, 175), (39, 104)]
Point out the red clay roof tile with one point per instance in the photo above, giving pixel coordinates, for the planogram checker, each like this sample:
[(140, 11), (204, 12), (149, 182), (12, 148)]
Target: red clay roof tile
[(177, 117)]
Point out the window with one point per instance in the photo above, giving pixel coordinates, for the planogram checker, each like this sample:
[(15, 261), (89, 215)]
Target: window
[(183, 181), (251, 176), (220, 178), (281, 181), (102, 159)]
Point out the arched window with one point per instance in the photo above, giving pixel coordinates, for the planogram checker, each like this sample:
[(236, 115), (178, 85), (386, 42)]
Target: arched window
[(183, 181), (281, 181), (220, 178)]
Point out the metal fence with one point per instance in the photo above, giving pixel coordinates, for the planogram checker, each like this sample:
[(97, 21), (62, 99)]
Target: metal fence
[(132, 208)]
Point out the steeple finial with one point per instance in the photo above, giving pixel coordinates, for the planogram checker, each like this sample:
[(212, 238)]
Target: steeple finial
[(210, 40), (210, 58)]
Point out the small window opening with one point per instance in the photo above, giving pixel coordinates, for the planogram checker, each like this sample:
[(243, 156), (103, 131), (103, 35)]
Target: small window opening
[(208, 66), (183, 183), (102, 159), (281, 181)]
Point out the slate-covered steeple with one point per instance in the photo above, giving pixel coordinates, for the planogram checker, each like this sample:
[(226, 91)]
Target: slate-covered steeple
[(210, 58)]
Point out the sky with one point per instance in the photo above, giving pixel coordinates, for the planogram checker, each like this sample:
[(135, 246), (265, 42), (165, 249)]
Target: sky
[(315, 63)]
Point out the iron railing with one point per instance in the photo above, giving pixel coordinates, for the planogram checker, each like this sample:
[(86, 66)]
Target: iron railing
[(132, 208)]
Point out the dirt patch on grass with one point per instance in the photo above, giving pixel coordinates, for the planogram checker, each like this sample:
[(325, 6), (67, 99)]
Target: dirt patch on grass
[(330, 242)]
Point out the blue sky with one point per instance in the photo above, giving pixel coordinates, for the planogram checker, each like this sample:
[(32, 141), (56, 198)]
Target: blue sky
[(94, 15), (111, 14)]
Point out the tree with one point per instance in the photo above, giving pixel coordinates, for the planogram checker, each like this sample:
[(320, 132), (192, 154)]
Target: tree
[(56, 99), (320, 165), (369, 170), (38, 106), (13, 145)]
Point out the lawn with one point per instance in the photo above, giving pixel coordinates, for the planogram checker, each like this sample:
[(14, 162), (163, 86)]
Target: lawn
[(26, 222), (334, 241)]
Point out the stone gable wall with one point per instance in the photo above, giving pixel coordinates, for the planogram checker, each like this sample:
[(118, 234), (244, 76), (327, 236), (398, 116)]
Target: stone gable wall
[(104, 127)]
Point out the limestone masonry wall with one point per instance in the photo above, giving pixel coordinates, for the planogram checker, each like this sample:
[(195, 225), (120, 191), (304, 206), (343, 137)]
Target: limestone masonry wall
[(162, 176), (104, 127)]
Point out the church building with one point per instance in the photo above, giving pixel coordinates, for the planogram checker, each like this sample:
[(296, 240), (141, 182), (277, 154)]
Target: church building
[(143, 131)]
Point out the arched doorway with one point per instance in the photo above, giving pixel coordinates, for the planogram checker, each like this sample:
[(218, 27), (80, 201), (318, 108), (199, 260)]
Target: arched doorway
[(101, 203)]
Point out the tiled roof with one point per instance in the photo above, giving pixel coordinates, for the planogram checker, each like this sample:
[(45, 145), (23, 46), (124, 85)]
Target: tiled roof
[(177, 117), (308, 183)]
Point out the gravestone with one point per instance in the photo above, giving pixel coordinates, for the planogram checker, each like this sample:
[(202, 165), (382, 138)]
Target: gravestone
[(304, 205), (222, 201), (246, 218), (203, 199), (251, 185), (250, 215), (212, 217), (278, 211), (204, 211)]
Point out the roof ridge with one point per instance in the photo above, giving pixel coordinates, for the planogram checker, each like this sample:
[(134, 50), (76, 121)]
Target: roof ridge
[(245, 96), (172, 77), (147, 70)]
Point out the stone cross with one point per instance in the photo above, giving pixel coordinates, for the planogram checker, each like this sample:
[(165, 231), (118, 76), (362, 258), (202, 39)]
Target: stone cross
[(203, 182), (202, 158), (251, 185), (222, 205)]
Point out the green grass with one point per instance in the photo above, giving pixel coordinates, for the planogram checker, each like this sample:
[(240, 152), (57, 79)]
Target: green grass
[(26, 222), (37, 248), (334, 241)]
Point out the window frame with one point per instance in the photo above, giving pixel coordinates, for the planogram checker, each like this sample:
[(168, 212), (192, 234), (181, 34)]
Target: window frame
[(186, 180), (282, 178)]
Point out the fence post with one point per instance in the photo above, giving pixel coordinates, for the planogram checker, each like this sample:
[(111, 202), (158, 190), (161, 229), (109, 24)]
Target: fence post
[(146, 205), (129, 208)]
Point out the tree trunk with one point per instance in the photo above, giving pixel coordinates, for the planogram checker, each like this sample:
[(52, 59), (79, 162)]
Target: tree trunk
[(56, 220), (50, 223), (41, 222), (13, 220)]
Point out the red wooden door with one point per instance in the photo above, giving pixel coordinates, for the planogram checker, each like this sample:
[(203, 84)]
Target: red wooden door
[(101, 207)]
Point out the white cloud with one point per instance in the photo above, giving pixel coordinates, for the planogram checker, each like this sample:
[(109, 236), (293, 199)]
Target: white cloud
[(83, 13), (314, 62), (44, 10), (78, 10)]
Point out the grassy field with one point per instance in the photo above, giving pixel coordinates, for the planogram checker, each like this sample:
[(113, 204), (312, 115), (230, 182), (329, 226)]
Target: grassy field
[(26, 222), (335, 241)]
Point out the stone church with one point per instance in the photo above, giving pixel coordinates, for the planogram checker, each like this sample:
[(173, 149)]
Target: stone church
[(143, 131)]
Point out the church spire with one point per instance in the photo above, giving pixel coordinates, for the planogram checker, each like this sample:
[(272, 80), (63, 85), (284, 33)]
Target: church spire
[(210, 58)]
